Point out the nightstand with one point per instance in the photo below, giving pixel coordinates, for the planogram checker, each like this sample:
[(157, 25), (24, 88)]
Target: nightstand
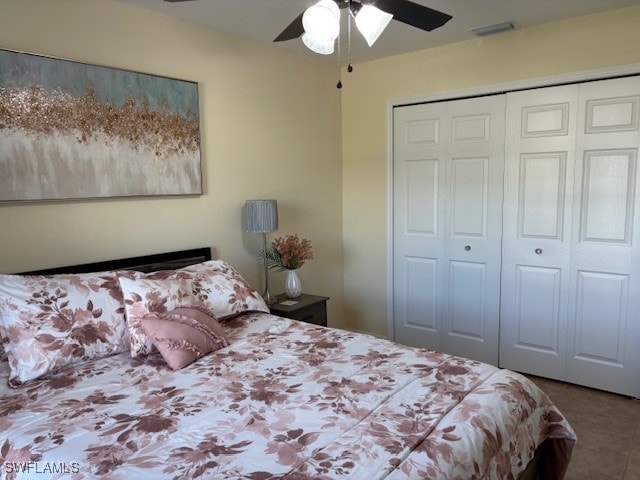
[(309, 308)]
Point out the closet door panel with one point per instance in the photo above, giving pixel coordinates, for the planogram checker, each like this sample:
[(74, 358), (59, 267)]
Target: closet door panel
[(601, 317), (545, 120), (541, 206), (471, 308), (539, 166), (604, 311), (608, 192), (469, 185), (467, 292), (418, 224), (538, 311), (421, 199), (421, 283)]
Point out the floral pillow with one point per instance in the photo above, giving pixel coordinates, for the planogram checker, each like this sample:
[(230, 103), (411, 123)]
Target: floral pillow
[(221, 288), (151, 296), (50, 322), (185, 334)]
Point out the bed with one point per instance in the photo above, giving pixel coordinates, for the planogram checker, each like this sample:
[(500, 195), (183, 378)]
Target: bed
[(275, 398)]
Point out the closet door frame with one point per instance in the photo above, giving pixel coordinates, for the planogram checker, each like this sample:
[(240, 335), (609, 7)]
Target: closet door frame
[(547, 81)]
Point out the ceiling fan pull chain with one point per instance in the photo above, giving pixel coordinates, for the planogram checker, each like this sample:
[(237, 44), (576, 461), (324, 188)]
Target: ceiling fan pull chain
[(339, 85), (350, 67)]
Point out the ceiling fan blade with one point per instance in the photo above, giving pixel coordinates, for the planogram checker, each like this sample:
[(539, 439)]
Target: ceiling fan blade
[(294, 30), (174, 1), (413, 14)]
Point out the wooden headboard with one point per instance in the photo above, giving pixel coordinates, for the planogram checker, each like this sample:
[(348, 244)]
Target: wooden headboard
[(146, 264)]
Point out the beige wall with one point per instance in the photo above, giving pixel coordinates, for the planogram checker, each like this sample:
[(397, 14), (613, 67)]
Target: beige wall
[(270, 129), (584, 43)]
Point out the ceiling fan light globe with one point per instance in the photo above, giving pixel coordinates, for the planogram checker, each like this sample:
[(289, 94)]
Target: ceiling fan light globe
[(318, 45), (322, 20), (371, 22)]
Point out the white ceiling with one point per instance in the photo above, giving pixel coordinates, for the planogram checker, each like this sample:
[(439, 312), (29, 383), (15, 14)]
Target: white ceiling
[(262, 20)]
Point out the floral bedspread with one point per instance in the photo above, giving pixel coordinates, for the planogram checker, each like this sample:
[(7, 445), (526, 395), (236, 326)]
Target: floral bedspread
[(284, 400)]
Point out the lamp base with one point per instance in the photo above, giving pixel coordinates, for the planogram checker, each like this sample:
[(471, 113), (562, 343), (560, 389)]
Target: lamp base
[(269, 298)]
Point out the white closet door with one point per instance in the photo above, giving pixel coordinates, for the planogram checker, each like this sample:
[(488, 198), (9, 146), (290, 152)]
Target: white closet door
[(604, 307), (448, 161), (539, 165), (418, 224), (473, 228), (570, 304)]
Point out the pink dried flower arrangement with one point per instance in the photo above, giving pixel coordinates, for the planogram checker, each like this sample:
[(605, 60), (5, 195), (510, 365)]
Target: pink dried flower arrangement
[(288, 253)]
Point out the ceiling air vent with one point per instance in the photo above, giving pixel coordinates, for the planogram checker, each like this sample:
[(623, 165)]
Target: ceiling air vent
[(495, 28)]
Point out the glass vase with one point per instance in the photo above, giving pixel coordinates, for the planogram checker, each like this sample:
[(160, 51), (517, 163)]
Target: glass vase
[(292, 286)]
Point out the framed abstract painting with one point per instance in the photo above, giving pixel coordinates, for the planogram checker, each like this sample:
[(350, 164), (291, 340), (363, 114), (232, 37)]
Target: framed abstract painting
[(70, 130)]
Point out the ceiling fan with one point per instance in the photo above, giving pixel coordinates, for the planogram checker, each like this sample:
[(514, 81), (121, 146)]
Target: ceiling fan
[(374, 16), (404, 11)]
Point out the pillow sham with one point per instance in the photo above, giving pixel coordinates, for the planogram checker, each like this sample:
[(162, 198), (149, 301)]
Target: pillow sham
[(51, 322), (185, 334), (222, 289), (151, 295)]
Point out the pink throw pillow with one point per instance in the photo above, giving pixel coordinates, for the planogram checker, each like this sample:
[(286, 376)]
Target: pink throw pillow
[(185, 334)]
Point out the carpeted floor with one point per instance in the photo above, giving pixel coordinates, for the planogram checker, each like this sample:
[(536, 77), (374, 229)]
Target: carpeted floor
[(608, 430)]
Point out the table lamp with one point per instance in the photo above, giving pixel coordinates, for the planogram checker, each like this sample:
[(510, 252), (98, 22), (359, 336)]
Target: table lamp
[(261, 216)]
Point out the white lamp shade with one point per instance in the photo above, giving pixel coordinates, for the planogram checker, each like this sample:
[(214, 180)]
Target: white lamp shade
[(324, 47), (371, 22), (261, 216), (322, 20)]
